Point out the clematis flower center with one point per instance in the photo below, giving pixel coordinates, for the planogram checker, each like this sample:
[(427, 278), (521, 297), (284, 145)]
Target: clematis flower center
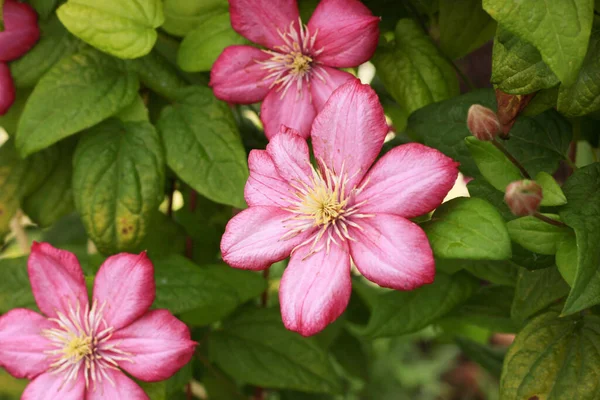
[(82, 343), (294, 61), (324, 203)]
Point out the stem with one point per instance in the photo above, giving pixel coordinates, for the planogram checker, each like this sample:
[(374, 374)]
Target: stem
[(550, 221), (516, 162), (188, 392)]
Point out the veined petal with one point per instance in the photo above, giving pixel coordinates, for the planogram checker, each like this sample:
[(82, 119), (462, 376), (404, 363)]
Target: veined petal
[(348, 133), (238, 77), (254, 239), (56, 279), (393, 252), (49, 386), (262, 20), (125, 286), (22, 346), (325, 81), (409, 180), (160, 345), (20, 32), (122, 388), (7, 89), (315, 290), (290, 155), (347, 32), (265, 187), (294, 109)]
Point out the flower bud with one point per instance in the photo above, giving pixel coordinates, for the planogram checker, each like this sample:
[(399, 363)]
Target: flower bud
[(483, 123), (523, 197)]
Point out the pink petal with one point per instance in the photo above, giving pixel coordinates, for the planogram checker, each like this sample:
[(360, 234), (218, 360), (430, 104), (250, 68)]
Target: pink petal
[(20, 32), (49, 386), (347, 32), (323, 85), (410, 180), (21, 344), (315, 290), (295, 110), (237, 77), (260, 20), (253, 238), (56, 279), (348, 133), (291, 156), (7, 89), (122, 389), (265, 187), (393, 252), (160, 345), (126, 283)]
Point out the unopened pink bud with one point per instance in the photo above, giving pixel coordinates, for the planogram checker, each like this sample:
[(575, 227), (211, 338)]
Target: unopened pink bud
[(483, 122), (523, 197)]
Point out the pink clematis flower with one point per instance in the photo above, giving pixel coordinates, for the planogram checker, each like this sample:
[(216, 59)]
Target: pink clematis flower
[(296, 73), (344, 209), (7, 89), (76, 351)]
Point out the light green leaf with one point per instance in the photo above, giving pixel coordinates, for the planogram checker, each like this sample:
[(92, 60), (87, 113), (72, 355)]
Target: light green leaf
[(517, 66), (77, 93), (553, 194), (582, 213), (399, 313), (413, 70), (203, 146), (560, 30), (55, 43), (201, 47), (536, 290), (536, 235), (15, 289), (566, 259), (583, 97), (464, 27), (492, 163), (553, 359), (468, 228), (182, 16), (256, 348), (118, 177), (204, 294), (123, 28)]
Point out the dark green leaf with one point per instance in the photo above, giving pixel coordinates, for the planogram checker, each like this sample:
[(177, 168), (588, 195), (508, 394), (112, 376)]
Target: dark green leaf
[(483, 190), (256, 348), (136, 111), (498, 170), (77, 93), (165, 237), (537, 290), (156, 73), (44, 7), (498, 272), (488, 357), (118, 177), (15, 290), (350, 353)]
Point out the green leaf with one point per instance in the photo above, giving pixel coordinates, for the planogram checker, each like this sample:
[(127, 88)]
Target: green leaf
[(544, 100), (492, 163), (480, 188), (201, 47), (118, 177), (256, 348), (582, 213), (583, 97), (203, 146), (553, 194), (44, 7), (123, 28), (10, 120), (468, 228), (413, 70), (54, 198), (553, 358), (77, 93), (15, 290), (497, 272), (560, 30), (134, 112), (566, 259), (182, 16), (536, 290), (464, 27), (156, 73), (517, 66), (536, 235), (399, 313), (488, 357), (530, 260), (161, 227), (206, 293), (350, 353), (55, 43)]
